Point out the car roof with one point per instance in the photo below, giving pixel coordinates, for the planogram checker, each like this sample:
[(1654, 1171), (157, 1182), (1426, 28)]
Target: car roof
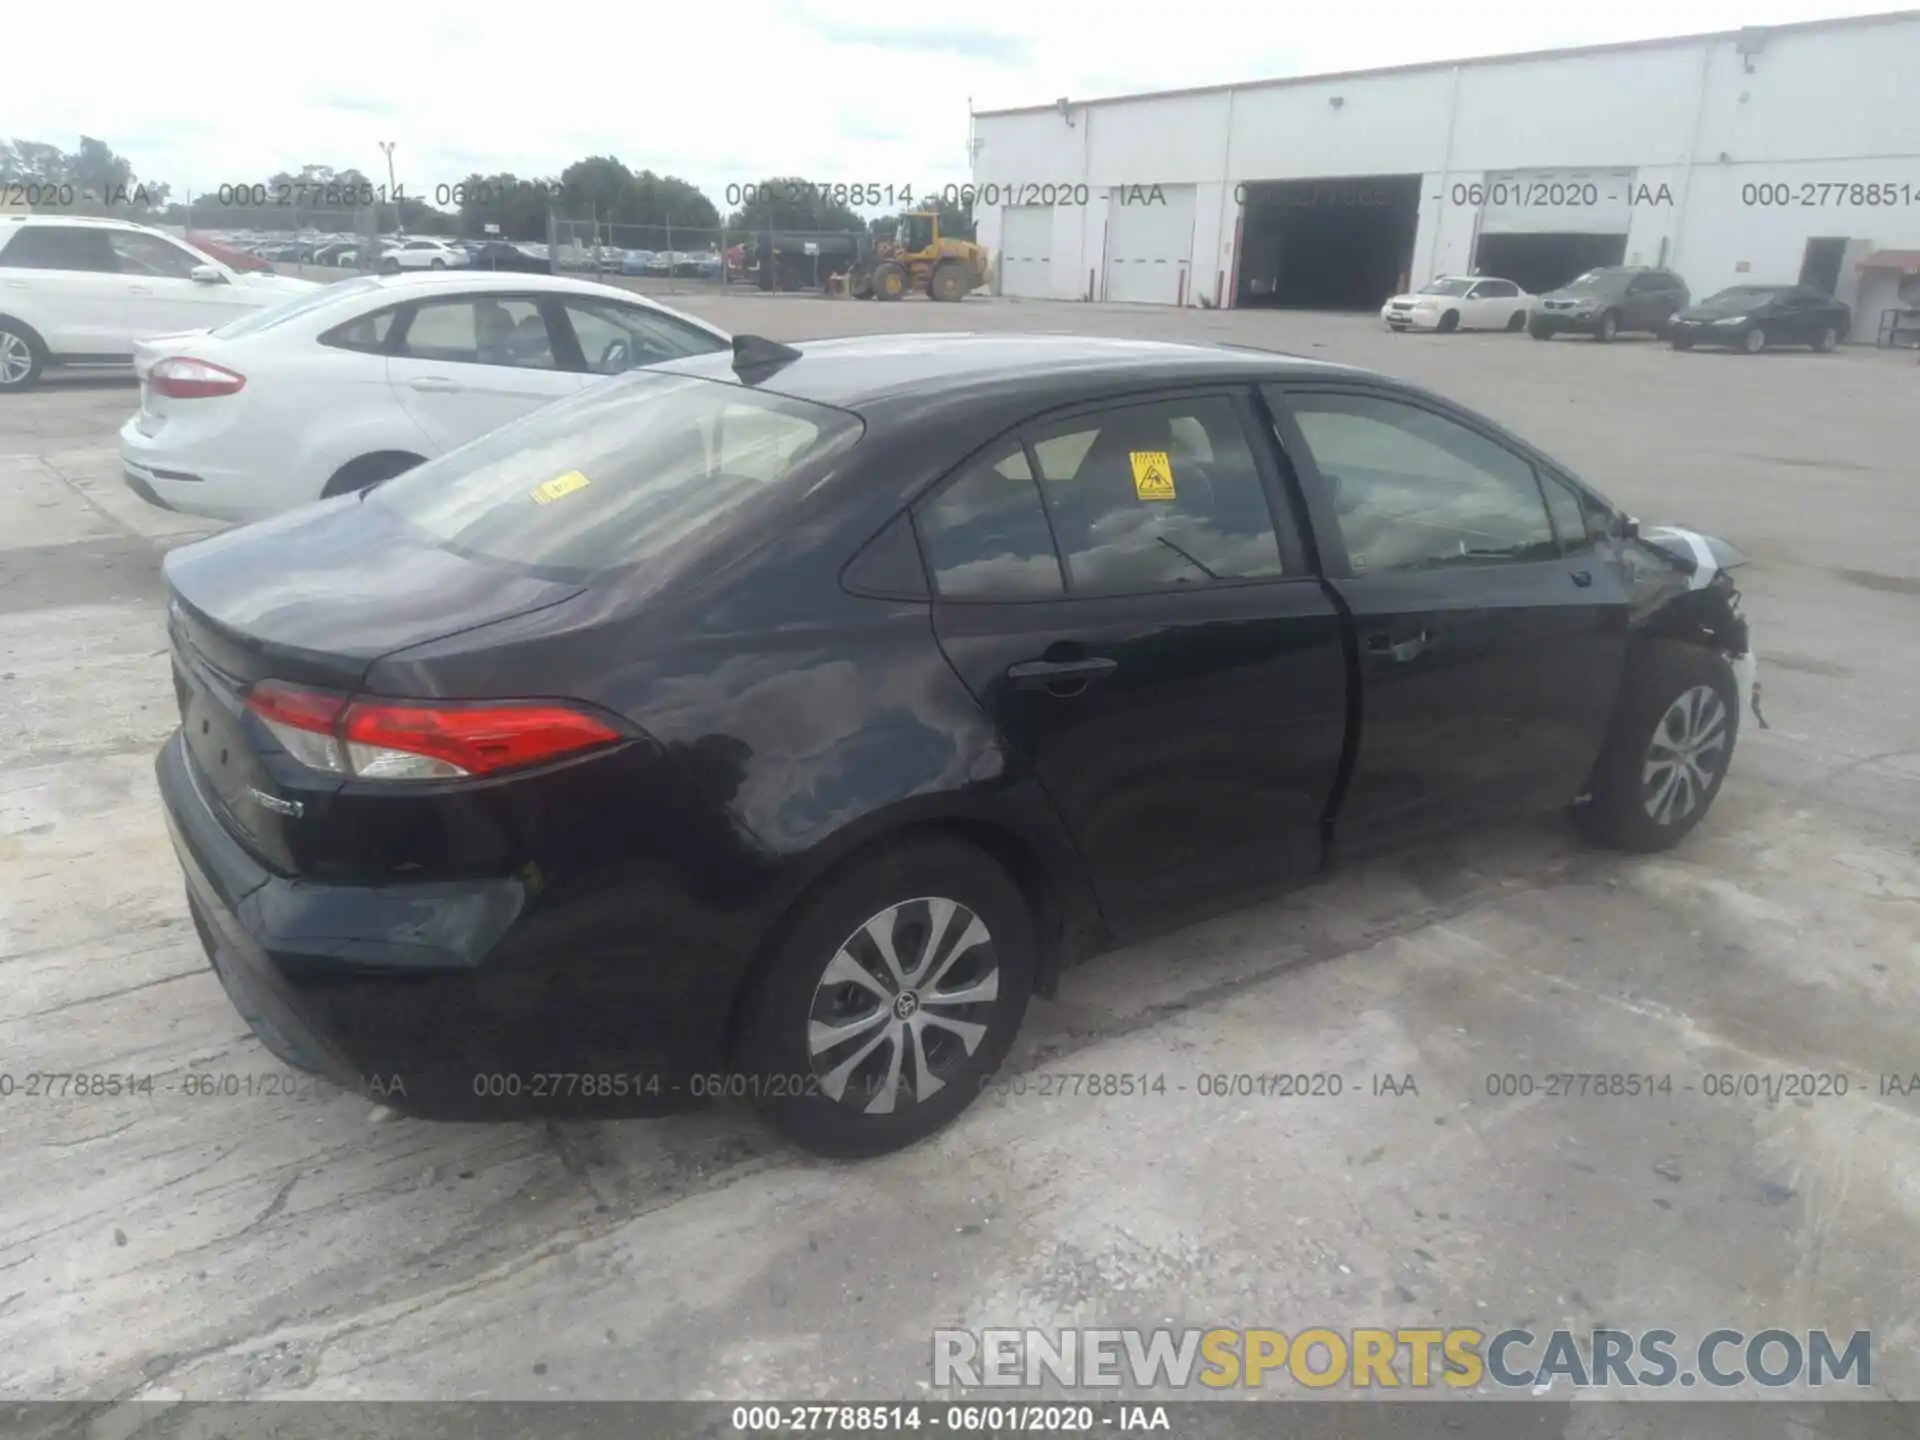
[(90, 222), (865, 373), (410, 280)]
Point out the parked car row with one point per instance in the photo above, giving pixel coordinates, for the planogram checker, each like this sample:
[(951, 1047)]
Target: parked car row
[(1624, 299)]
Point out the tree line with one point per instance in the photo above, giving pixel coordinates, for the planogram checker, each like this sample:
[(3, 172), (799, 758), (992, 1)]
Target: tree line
[(95, 180)]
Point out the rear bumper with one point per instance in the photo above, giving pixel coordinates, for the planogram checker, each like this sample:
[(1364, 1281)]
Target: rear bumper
[(429, 998), (181, 479)]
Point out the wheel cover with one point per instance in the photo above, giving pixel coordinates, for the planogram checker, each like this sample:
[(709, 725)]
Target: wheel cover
[(1756, 340), (902, 1005), (16, 358), (1609, 326), (1687, 752)]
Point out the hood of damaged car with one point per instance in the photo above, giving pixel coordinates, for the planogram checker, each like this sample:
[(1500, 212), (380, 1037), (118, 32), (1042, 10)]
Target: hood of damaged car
[(1700, 556)]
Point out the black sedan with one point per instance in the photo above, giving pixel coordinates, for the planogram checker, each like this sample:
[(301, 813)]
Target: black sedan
[(772, 724), (505, 255), (1754, 317)]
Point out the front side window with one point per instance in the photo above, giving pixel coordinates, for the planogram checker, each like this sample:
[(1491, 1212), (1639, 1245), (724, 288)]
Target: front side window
[(81, 248), (480, 330), (632, 472), (1414, 490), (1156, 496), (615, 337), (984, 534), (150, 255)]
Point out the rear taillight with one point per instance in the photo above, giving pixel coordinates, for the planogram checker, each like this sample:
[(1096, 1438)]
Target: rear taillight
[(180, 377), (420, 740)]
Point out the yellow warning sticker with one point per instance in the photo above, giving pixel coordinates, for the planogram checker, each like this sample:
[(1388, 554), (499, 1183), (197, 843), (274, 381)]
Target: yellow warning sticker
[(562, 485), (1152, 474)]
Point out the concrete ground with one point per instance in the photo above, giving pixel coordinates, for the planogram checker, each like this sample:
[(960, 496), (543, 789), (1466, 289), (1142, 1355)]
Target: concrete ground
[(313, 1245)]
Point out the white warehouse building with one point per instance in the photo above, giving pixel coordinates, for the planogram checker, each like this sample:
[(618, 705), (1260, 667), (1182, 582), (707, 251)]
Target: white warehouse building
[(1784, 155)]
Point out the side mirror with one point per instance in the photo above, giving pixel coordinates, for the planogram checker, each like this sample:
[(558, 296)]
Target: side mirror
[(207, 275), (1629, 527)]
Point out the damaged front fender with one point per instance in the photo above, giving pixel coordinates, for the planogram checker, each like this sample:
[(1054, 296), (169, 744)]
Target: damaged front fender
[(1696, 599)]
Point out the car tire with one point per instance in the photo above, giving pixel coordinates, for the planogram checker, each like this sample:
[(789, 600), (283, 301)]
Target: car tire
[(1682, 342), (368, 471), (389, 267), (948, 284), (1449, 322), (1517, 323), (436, 263), (1609, 328), (22, 358), (889, 282), (1754, 341), (1678, 699), (1829, 338), (1539, 332), (821, 1102)]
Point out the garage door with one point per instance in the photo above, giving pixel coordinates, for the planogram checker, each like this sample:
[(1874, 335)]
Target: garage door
[(1149, 243), (1026, 250), (1557, 202)]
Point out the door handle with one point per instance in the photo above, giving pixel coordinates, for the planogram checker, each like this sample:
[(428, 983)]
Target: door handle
[(139, 289), (1582, 578), (438, 384), (1401, 648), (16, 284), (1045, 674)]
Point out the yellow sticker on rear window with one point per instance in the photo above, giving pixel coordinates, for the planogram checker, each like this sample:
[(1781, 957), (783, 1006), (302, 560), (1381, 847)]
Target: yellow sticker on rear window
[(562, 485), (1152, 474)]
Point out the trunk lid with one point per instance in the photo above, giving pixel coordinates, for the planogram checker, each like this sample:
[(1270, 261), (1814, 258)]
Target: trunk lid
[(311, 598), (150, 352)]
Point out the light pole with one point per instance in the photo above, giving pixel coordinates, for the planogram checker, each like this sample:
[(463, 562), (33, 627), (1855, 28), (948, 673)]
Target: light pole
[(393, 198), (386, 149)]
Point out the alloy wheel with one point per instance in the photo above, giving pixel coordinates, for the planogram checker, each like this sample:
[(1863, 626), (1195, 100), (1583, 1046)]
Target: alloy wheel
[(902, 1005), (1688, 748), (16, 359), (1754, 341)]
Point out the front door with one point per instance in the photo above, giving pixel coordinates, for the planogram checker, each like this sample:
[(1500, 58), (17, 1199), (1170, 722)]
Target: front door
[(1115, 589), (467, 364), (163, 298), (1490, 645)]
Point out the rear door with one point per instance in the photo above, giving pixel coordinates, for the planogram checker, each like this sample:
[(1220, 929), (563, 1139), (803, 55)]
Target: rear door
[(466, 364), (1497, 302), (1491, 645), (1121, 588), (64, 281)]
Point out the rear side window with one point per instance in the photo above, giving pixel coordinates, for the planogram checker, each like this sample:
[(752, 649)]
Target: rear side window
[(368, 333), (480, 330), (81, 248), (985, 534), (634, 471), (1156, 496), (141, 254)]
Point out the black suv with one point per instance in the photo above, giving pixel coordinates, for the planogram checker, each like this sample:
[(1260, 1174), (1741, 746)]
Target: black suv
[(1603, 303)]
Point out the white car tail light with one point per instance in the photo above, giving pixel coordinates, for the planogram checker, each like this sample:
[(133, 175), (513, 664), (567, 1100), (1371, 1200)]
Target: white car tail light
[(182, 378), (421, 740)]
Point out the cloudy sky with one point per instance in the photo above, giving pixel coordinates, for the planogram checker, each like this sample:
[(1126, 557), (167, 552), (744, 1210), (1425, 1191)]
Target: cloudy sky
[(833, 90)]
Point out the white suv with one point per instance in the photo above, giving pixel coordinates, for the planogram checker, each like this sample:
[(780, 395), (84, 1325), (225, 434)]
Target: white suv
[(423, 254), (82, 291)]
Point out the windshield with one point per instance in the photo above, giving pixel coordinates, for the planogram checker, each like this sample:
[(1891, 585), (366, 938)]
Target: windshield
[(1596, 282), (1448, 287), (915, 233), (265, 318), (627, 473), (1740, 297)]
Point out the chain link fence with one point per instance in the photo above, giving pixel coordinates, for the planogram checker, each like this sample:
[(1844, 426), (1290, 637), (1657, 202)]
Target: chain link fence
[(675, 260)]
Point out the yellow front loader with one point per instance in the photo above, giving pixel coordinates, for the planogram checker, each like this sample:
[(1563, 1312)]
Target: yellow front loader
[(918, 257)]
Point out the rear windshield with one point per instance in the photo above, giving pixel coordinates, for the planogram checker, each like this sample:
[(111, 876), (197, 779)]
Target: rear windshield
[(1448, 287), (633, 470), (268, 316), (1741, 297)]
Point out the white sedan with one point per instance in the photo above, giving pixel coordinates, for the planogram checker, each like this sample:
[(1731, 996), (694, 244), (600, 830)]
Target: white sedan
[(359, 381), (423, 253), (1460, 302)]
